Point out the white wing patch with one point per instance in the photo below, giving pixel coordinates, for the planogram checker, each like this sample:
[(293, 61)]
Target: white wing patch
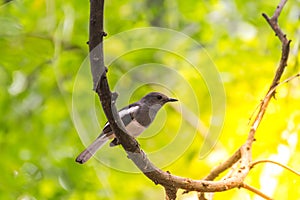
[(134, 128), (128, 111)]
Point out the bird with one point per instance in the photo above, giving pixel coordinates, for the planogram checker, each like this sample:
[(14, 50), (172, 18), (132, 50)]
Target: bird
[(136, 118)]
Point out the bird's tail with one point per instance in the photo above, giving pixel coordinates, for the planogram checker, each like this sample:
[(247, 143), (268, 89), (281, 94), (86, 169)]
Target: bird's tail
[(91, 150)]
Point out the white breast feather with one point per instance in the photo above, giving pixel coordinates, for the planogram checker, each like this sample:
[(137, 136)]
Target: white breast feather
[(134, 128)]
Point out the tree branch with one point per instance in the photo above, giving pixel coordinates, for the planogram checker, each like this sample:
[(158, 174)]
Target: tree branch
[(170, 193), (171, 182), (96, 34), (273, 21)]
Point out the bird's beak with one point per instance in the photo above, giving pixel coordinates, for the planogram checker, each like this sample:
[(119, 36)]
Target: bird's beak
[(172, 100)]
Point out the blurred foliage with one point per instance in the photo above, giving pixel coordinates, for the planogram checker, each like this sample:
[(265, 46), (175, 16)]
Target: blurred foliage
[(43, 45)]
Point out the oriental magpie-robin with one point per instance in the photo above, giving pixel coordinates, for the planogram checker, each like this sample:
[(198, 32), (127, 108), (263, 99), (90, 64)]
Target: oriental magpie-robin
[(136, 118)]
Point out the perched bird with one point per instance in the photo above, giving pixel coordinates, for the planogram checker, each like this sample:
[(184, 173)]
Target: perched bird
[(136, 118)]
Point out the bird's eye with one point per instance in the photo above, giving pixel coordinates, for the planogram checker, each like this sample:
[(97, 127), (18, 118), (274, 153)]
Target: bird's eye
[(159, 97)]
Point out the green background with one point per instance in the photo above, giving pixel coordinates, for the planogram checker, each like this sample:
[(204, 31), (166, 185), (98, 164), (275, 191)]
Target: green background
[(43, 45)]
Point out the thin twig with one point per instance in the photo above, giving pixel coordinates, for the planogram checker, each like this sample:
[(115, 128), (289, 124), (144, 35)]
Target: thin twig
[(273, 89), (289, 79), (271, 92), (256, 191), (276, 163)]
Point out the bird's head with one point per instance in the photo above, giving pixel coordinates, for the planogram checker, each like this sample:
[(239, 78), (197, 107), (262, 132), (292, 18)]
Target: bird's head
[(156, 98), (154, 101)]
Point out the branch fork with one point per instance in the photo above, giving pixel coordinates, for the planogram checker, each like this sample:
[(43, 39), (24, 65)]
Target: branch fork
[(241, 159)]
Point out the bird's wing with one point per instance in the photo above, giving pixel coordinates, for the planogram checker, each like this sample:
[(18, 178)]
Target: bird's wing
[(126, 114)]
